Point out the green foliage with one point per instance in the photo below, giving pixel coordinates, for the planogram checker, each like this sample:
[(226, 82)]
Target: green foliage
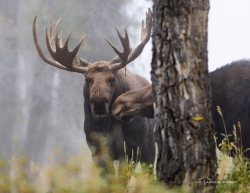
[(78, 175), (21, 175), (237, 179)]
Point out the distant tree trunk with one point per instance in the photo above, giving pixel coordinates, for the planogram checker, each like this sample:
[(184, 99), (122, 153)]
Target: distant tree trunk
[(9, 82), (180, 77)]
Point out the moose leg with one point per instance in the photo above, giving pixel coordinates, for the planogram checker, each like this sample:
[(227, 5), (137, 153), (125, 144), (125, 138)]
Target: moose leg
[(98, 148), (116, 140), (96, 139)]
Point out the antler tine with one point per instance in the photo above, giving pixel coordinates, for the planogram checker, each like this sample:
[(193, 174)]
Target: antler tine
[(60, 39), (113, 47), (49, 28), (59, 45), (115, 60), (122, 58), (66, 44), (142, 30), (75, 50), (145, 32), (62, 57), (57, 41), (124, 40), (57, 24), (48, 42), (40, 52), (145, 36), (53, 35)]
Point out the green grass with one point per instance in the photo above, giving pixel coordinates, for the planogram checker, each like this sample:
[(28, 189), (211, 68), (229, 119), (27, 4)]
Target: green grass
[(233, 172), (20, 175)]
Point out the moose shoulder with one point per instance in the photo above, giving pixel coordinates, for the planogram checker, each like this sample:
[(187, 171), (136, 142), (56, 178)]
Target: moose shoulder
[(230, 90), (105, 81)]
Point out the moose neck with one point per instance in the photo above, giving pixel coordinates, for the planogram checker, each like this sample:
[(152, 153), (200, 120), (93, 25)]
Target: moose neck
[(123, 83)]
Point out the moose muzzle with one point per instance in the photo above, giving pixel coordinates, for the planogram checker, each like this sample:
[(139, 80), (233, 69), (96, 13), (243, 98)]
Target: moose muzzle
[(99, 109)]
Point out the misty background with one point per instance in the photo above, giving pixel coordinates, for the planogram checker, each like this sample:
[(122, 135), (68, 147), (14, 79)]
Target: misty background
[(41, 107)]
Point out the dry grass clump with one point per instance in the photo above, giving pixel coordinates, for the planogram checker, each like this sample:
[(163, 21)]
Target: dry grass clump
[(78, 175), (20, 175), (233, 172)]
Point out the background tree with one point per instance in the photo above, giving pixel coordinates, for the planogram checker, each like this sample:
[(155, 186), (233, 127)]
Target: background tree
[(9, 88), (180, 76)]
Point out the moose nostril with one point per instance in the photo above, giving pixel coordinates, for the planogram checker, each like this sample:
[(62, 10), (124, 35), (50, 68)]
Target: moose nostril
[(105, 100), (95, 99), (100, 108)]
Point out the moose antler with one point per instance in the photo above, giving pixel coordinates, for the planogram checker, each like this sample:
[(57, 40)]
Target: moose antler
[(118, 62), (68, 60), (122, 56), (62, 57)]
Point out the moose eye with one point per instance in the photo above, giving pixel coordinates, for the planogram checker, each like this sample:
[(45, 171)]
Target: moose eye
[(111, 80), (89, 81)]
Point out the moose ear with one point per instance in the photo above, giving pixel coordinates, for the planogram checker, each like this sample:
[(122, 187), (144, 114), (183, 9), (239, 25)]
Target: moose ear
[(117, 108), (88, 81)]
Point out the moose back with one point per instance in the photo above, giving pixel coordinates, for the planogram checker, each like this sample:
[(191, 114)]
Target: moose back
[(230, 90)]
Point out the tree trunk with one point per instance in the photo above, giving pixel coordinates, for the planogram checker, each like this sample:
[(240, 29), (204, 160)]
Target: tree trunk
[(184, 134)]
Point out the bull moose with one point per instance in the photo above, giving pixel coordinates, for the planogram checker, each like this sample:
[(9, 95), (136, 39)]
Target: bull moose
[(105, 81), (230, 90)]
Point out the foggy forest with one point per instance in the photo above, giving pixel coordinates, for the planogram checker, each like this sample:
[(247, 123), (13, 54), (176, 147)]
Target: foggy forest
[(41, 107)]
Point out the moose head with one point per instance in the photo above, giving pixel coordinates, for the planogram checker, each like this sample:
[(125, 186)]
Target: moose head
[(101, 76), (134, 103)]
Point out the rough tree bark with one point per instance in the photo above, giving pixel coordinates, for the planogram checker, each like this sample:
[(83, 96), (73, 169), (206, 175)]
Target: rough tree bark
[(180, 77)]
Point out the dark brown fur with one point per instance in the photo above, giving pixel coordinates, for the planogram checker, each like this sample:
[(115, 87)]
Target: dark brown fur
[(137, 133), (105, 81), (230, 90), (134, 103)]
